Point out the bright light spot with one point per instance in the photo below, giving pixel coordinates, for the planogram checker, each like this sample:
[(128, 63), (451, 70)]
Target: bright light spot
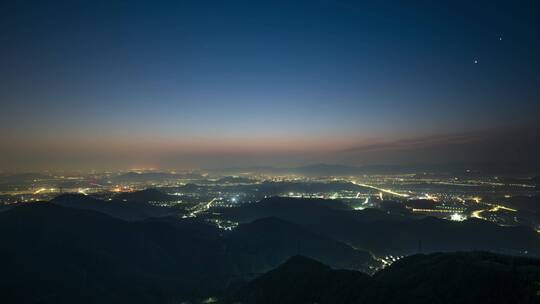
[(381, 190), (476, 214), (427, 196), (457, 217), (40, 190), (210, 300)]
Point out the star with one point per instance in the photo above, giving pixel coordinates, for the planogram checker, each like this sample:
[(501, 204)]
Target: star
[(475, 61)]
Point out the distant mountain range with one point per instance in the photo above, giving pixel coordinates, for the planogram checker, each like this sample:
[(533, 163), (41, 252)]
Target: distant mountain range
[(23, 177), (132, 177), (314, 170), (137, 208), (454, 169)]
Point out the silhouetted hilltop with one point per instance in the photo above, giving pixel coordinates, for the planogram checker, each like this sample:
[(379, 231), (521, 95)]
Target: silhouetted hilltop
[(460, 277), (435, 235), (270, 241), (71, 255), (78, 255), (473, 277), (135, 210), (303, 280)]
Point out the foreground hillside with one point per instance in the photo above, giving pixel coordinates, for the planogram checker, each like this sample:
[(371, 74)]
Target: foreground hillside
[(67, 253), (474, 277), (85, 250)]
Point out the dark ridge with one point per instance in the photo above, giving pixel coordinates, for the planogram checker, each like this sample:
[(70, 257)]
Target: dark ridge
[(303, 280), (72, 255), (123, 210), (371, 229), (461, 277), (76, 254), (271, 240)]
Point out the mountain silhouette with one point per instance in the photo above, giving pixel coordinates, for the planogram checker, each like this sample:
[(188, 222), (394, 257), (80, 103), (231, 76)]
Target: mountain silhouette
[(372, 230), (303, 280), (72, 255), (132, 210), (269, 241), (76, 254), (460, 277)]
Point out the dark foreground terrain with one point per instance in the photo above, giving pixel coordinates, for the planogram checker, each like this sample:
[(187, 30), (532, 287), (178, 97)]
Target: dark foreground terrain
[(461, 277), (77, 250)]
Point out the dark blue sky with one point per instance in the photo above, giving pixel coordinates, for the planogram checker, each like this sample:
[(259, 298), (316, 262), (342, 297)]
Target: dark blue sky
[(275, 80)]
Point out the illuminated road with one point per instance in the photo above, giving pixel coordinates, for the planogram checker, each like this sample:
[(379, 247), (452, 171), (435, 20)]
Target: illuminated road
[(40, 190), (476, 214), (200, 208), (388, 191), (83, 191), (494, 208)]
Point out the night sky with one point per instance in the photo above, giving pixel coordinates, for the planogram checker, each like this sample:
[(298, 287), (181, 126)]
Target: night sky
[(187, 84)]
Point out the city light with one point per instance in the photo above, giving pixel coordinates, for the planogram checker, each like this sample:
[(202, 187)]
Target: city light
[(458, 217)]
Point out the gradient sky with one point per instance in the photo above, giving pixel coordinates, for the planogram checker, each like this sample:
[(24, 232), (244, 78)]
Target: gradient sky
[(232, 83)]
